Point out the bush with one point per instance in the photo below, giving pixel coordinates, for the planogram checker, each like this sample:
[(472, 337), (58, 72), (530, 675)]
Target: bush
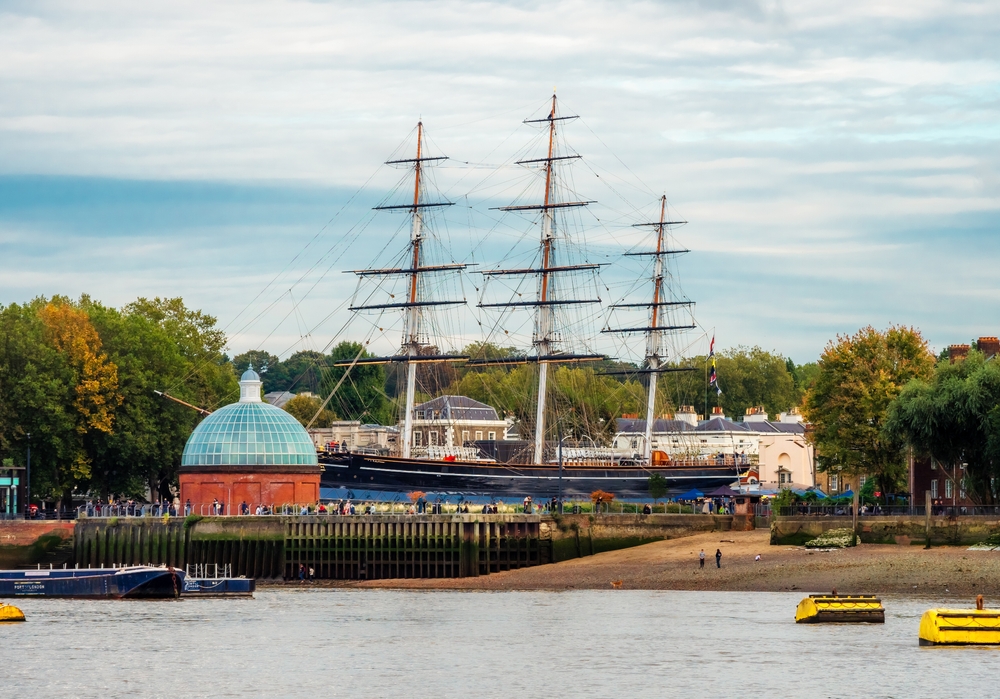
[(834, 539)]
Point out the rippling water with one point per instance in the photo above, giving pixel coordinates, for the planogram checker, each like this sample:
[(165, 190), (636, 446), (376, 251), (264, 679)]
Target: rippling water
[(385, 643)]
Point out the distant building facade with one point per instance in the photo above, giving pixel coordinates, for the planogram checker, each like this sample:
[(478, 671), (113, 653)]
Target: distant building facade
[(444, 425), (779, 451), (352, 435)]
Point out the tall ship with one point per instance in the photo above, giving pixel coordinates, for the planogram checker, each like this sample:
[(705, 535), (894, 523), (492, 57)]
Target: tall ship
[(554, 289)]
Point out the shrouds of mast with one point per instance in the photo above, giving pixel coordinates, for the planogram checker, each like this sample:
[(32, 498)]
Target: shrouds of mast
[(546, 335), (414, 305)]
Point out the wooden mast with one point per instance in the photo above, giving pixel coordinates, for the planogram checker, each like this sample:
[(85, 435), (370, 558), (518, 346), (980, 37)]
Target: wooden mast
[(543, 330), (654, 339), (412, 339)]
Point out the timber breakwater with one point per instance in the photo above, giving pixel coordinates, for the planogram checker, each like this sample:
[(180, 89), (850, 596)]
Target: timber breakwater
[(373, 547)]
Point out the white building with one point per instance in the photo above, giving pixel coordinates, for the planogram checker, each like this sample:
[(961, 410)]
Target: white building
[(351, 435), (779, 450)]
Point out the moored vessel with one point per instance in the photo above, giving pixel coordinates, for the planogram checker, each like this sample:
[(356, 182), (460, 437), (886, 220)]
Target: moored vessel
[(132, 582)]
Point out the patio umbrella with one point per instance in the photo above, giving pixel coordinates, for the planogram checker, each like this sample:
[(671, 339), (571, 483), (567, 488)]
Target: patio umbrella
[(692, 494), (847, 493)]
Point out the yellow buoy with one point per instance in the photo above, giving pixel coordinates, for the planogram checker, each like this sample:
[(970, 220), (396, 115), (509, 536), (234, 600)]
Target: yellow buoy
[(10, 613), (960, 627), (818, 609)]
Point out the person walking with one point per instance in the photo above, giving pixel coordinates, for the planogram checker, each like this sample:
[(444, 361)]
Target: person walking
[(701, 558), (718, 558)]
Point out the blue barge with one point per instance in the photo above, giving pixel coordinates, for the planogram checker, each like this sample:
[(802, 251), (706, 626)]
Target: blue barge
[(132, 582)]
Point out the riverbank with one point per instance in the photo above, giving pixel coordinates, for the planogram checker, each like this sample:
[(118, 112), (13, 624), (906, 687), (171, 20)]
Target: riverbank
[(673, 565)]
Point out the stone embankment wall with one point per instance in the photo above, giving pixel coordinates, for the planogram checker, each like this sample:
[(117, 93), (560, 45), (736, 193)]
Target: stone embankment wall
[(252, 546), (965, 530), (360, 547), (30, 542)]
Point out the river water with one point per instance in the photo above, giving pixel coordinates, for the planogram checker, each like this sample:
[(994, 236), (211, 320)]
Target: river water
[(388, 643)]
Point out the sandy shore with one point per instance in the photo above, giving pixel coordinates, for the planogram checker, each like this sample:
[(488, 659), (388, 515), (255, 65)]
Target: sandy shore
[(673, 565)]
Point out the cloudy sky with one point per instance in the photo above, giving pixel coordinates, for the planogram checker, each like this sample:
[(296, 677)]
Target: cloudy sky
[(838, 162)]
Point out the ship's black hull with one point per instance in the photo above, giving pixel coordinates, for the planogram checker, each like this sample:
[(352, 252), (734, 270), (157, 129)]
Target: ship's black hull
[(388, 473), (139, 582)]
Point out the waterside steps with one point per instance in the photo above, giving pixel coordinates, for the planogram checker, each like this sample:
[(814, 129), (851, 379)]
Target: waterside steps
[(10, 613), (961, 627), (834, 608)]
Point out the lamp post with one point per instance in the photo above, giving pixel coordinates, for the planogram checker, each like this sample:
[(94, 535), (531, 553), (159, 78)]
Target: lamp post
[(27, 479)]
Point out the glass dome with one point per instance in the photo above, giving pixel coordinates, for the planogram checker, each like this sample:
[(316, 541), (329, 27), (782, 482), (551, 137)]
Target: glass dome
[(249, 434)]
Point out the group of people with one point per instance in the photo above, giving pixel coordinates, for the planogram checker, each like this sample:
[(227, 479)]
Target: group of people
[(129, 508)]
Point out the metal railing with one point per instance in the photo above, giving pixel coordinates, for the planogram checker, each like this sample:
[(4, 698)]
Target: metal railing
[(847, 510)]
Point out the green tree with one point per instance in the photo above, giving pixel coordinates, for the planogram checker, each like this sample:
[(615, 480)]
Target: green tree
[(657, 486), (362, 395), (158, 345), (302, 372), (859, 378), (954, 418), (272, 372), (303, 408)]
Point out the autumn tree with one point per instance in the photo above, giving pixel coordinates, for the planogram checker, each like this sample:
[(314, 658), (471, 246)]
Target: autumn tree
[(303, 408), (848, 404)]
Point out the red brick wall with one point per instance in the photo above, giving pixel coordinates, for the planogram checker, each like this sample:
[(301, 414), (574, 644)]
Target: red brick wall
[(231, 489), (26, 532)]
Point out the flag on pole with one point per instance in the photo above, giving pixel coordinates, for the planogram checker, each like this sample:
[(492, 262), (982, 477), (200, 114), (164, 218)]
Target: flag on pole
[(713, 377)]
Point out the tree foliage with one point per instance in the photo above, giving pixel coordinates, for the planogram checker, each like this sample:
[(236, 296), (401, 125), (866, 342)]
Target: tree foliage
[(954, 417), (858, 379), (362, 395), (79, 377), (303, 408)]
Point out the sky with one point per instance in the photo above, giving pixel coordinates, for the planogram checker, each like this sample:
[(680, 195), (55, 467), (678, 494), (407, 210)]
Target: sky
[(838, 163)]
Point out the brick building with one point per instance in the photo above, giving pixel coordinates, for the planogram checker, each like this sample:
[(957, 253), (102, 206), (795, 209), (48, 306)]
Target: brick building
[(250, 452)]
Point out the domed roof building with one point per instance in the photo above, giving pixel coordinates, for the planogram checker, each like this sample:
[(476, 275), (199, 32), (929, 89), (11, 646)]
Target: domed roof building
[(248, 452)]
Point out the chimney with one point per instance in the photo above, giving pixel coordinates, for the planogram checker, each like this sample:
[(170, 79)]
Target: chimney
[(989, 346), (956, 352), (687, 414), (717, 412), (793, 416), (755, 414)]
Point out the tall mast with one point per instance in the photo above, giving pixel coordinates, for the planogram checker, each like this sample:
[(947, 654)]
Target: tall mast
[(655, 353), (411, 340), (414, 305), (543, 327), (654, 339), (545, 330)]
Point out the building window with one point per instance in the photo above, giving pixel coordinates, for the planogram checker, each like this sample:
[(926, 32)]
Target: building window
[(465, 436), (934, 491), (933, 465), (432, 438), (961, 491), (948, 489), (492, 435), (479, 435), (861, 481), (418, 438), (834, 482), (635, 443)]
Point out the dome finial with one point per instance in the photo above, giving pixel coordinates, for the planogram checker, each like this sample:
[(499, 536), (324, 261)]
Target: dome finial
[(250, 384)]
